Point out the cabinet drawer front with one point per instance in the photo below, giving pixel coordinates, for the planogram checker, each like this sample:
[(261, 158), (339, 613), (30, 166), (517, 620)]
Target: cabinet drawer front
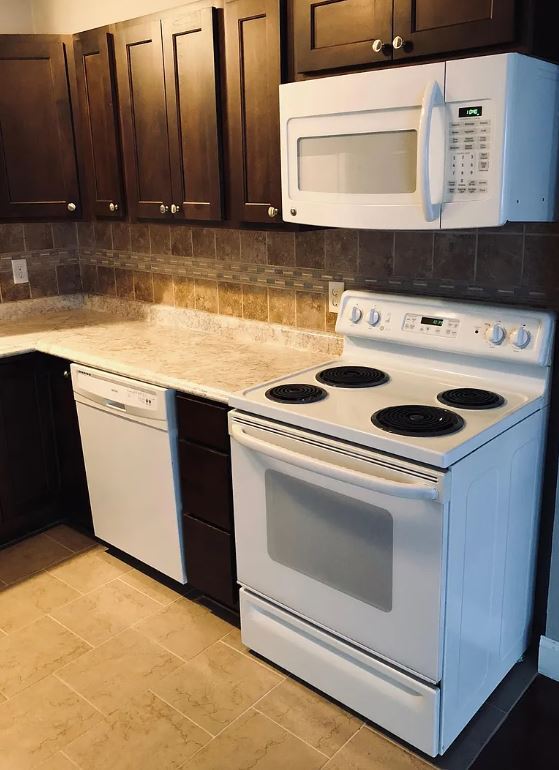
[(204, 422), (206, 484), (210, 562)]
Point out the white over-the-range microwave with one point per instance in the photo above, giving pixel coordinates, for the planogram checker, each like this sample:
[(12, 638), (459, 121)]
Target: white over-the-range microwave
[(463, 143)]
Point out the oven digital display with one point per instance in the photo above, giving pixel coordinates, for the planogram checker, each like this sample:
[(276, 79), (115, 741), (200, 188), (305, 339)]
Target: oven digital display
[(432, 321), (470, 112)]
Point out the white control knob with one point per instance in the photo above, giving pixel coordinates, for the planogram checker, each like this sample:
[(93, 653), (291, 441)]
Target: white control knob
[(374, 317), (521, 337), (356, 314), (495, 334)]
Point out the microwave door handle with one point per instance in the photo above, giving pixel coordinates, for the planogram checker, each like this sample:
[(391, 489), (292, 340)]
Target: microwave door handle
[(431, 98), (374, 484)]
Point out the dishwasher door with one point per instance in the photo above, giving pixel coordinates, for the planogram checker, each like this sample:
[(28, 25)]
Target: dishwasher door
[(129, 439)]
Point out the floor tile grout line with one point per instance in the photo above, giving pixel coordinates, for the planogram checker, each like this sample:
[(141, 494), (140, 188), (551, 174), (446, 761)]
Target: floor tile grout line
[(120, 577), (79, 694), (254, 658), (351, 737), (194, 722), (81, 638), (70, 759), (287, 730)]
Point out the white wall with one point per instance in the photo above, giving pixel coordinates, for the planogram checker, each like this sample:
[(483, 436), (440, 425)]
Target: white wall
[(16, 16), (66, 16)]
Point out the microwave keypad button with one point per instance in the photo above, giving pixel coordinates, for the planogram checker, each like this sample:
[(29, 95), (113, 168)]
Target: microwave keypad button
[(484, 156), (483, 165)]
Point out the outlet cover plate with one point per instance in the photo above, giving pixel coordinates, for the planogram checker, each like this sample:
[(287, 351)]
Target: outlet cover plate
[(19, 270), (335, 291)]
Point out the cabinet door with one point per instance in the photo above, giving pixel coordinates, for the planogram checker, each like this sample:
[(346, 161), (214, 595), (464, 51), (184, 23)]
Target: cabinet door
[(331, 34), (191, 70), (253, 67), (141, 84), (38, 171), (99, 129), (438, 26), (210, 561), (29, 482), (74, 495)]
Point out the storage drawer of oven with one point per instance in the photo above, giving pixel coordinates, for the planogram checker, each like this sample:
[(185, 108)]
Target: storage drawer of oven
[(397, 702)]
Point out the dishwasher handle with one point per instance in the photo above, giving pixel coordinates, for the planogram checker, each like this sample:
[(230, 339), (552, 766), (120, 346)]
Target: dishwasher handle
[(373, 483)]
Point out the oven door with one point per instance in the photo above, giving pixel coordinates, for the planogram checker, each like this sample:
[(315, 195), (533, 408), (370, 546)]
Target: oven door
[(370, 154), (347, 538)]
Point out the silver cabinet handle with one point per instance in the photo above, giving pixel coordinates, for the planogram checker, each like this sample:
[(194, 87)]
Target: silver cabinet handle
[(71, 207), (377, 45), (273, 212), (174, 208), (113, 207), (164, 209), (398, 42)]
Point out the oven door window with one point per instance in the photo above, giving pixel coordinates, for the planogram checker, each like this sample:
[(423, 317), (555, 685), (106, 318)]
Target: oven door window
[(340, 541), (383, 162)]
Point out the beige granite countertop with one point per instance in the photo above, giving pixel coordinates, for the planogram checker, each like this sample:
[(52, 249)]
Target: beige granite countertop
[(166, 351)]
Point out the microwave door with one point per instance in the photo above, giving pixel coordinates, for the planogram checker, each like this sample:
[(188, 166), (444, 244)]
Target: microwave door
[(366, 152)]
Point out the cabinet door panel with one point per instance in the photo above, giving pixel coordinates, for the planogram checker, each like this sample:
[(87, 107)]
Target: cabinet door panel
[(189, 43), (253, 63), (210, 561), (339, 33), (437, 26), (38, 172), (29, 482), (206, 485), (94, 52), (141, 80)]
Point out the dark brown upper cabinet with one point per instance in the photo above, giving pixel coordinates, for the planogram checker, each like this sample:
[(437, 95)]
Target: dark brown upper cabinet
[(168, 92), (98, 121), (192, 90), (141, 82), (253, 36), (425, 27), (343, 33), (38, 168)]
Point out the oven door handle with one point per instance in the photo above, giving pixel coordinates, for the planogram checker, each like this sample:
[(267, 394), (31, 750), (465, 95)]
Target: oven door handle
[(373, 483), (431, 98)]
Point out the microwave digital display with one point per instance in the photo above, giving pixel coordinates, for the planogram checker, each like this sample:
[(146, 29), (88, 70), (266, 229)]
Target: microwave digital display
[(470, 112), (432, 321)]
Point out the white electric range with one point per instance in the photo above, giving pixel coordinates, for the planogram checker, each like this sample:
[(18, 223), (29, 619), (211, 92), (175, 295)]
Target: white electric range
[(386, 509)]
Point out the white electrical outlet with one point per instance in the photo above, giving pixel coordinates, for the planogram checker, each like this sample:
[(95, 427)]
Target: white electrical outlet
[(335, 291), (19, 269)]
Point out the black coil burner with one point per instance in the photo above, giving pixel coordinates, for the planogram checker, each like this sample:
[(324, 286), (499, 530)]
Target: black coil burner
[(418, 420), (352, 377), (296, 393), (471, 398)]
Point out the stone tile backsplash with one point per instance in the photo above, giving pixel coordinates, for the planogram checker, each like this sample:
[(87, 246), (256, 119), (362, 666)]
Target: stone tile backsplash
[(280, 276)]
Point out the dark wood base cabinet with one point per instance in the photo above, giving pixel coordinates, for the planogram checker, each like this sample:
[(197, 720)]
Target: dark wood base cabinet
[(205, 474), (42, 476)]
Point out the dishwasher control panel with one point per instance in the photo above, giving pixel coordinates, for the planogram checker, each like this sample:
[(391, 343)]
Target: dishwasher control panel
[(119, 394)]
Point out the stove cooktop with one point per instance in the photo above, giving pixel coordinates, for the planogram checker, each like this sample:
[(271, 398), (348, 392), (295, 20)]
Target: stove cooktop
[(352, 377), (471, 398), (417, 420), (296, 393)]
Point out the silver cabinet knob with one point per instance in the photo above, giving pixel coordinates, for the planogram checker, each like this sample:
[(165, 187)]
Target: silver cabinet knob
[(71, 207), (377, 45), (174, 208), (113, 207), (398, 42), (164, 209), (66, 374), (273, 212)]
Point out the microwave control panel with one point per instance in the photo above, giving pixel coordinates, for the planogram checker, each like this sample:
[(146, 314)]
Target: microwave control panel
[(468, 150)]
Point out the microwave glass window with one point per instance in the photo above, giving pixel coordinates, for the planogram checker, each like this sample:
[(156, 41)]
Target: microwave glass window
[(344, 543), (360, 164)]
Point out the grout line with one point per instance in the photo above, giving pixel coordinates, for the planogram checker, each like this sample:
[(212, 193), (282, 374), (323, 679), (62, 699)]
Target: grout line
[(79, 694), (70, 760), (287, 730), (91, 646), (190, 719), (342, 747), (247, 653)]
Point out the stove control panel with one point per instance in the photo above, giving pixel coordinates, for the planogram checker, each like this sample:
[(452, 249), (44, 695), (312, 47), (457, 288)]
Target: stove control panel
[(434, 325), (478, 330)]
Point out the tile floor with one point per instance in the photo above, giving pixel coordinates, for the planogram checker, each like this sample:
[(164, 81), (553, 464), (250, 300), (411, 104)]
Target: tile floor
[(102, 668)]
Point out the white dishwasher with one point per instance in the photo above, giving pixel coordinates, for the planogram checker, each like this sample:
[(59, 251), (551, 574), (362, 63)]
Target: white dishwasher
[(129, 439)]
